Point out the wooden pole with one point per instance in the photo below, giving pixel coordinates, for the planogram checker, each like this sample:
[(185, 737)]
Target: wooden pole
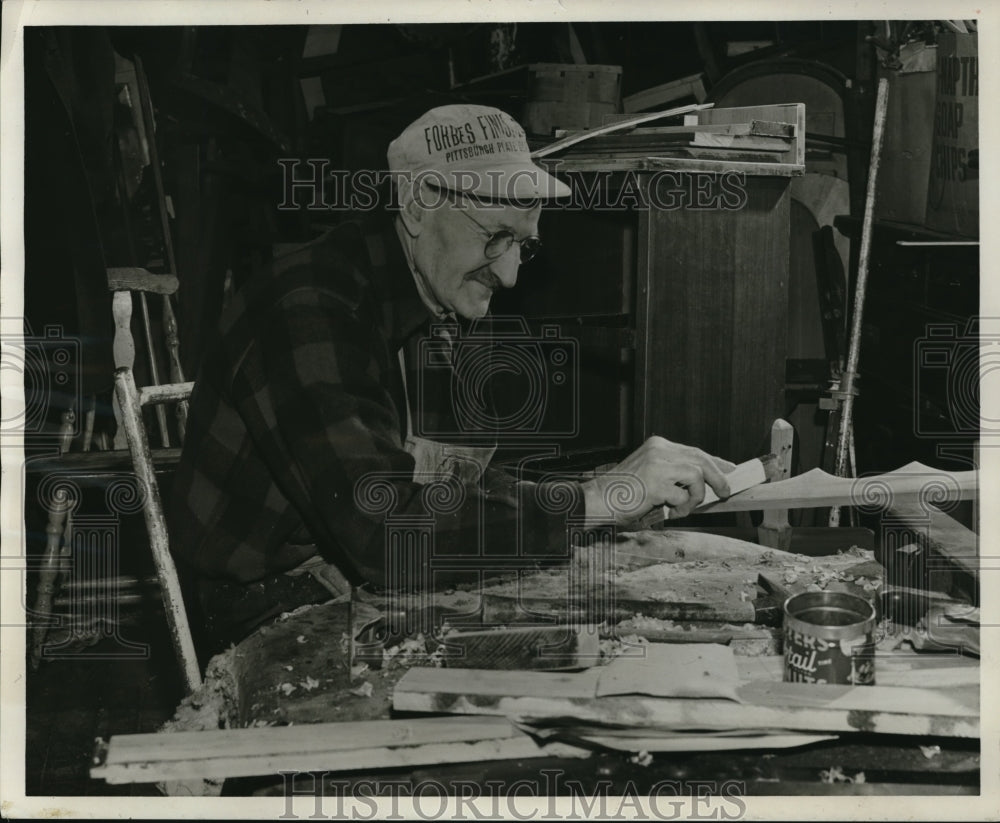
[(152, 510), (854, 346)]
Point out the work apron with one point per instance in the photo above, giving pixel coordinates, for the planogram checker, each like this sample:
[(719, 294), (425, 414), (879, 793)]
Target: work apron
[(433, 461)]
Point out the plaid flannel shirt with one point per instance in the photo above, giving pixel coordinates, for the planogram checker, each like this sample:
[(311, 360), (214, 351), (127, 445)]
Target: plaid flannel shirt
[(300, 399)]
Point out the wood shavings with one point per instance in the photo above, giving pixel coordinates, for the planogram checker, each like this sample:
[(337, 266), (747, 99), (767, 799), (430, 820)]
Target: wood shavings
[(641, 758), (930, 752), (364, 690), (301, 639), (309, 684), (286, 688), (835, 774)]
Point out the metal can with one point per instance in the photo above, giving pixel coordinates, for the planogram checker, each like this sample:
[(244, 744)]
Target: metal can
[(828, 638)]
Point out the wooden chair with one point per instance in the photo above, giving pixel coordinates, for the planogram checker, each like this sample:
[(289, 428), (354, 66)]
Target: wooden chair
[(131, 401), (87, 467)]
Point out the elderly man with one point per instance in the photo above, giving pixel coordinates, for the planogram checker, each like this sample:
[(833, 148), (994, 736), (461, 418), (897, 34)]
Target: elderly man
[(304, 432)]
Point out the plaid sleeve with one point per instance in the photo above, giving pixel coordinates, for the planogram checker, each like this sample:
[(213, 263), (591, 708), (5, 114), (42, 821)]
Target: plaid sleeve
[(313, 394)]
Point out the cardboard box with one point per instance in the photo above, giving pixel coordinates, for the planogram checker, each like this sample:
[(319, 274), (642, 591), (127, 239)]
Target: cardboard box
[(909, 135), (953, 189)]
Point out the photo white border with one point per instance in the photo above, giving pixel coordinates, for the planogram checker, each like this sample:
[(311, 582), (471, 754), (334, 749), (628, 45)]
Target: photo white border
[(20, 13)]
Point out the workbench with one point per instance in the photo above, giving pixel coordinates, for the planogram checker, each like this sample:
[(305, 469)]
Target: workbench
[(296, 672)]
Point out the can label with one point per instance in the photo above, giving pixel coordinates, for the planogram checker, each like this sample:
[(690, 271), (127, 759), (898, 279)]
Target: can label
[(811, 659)]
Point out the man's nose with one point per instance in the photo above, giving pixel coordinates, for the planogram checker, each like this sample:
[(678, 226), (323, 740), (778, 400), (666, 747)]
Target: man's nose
[(505, 267)]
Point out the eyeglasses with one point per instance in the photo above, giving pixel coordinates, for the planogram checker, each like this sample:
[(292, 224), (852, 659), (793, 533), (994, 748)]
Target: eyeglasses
[(498, 243)]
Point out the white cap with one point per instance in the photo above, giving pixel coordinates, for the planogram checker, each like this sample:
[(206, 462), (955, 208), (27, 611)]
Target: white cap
[(476, 150)]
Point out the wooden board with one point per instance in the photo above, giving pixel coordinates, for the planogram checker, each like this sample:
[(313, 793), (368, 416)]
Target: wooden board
[(542, 698), (547, 648), (146, 758), (618, 582), (913, 483)]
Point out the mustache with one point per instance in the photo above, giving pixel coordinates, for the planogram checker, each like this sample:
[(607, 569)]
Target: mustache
[(487, 278)]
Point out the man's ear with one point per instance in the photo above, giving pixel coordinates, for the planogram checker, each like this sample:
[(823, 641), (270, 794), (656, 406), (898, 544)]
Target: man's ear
[(410, 211)]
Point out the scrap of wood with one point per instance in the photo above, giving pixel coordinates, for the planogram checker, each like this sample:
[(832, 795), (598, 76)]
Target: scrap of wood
[(691, 742), (678, 545), (540, 697), (913, 483), (147, 758), (941, 533), (741, 142), (691, 86), (547, 648), (780, 112), (761, 128), (775, 530), (566, 142)]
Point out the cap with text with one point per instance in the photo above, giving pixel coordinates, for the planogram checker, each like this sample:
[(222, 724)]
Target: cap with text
[(476, 150)]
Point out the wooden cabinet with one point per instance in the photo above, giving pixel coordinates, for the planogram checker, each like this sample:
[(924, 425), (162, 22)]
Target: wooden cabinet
[(671, 273)]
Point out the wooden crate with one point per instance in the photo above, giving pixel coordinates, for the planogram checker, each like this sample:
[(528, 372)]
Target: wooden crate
[(567, 96)]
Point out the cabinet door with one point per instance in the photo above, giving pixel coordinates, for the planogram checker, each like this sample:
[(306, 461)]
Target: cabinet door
[(712, 303)]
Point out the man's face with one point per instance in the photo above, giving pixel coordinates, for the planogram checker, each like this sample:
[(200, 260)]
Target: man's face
[(450, 251)]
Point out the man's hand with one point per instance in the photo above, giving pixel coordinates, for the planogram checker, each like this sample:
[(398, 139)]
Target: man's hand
[(658, 473)]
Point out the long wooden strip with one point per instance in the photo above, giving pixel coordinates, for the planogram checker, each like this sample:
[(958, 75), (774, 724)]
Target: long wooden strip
[(928, 671), (141, 758), (540, 697), (682, 713), (913, 483), (625, 123), (166, 570)]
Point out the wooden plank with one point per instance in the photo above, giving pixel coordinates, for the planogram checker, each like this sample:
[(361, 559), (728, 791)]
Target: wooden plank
[(612, 164), (145, 758), (133, 278), (678, 545), (691, 86), (747, 142), (953, 702), (542, 648), (775, 530), (783, 113), (459, 691), (761, 128), (912, 483), (941, 533), (566, 142), (929, 671)]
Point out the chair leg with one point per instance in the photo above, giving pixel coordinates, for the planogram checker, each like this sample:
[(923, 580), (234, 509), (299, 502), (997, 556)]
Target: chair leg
[(51, 566)]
